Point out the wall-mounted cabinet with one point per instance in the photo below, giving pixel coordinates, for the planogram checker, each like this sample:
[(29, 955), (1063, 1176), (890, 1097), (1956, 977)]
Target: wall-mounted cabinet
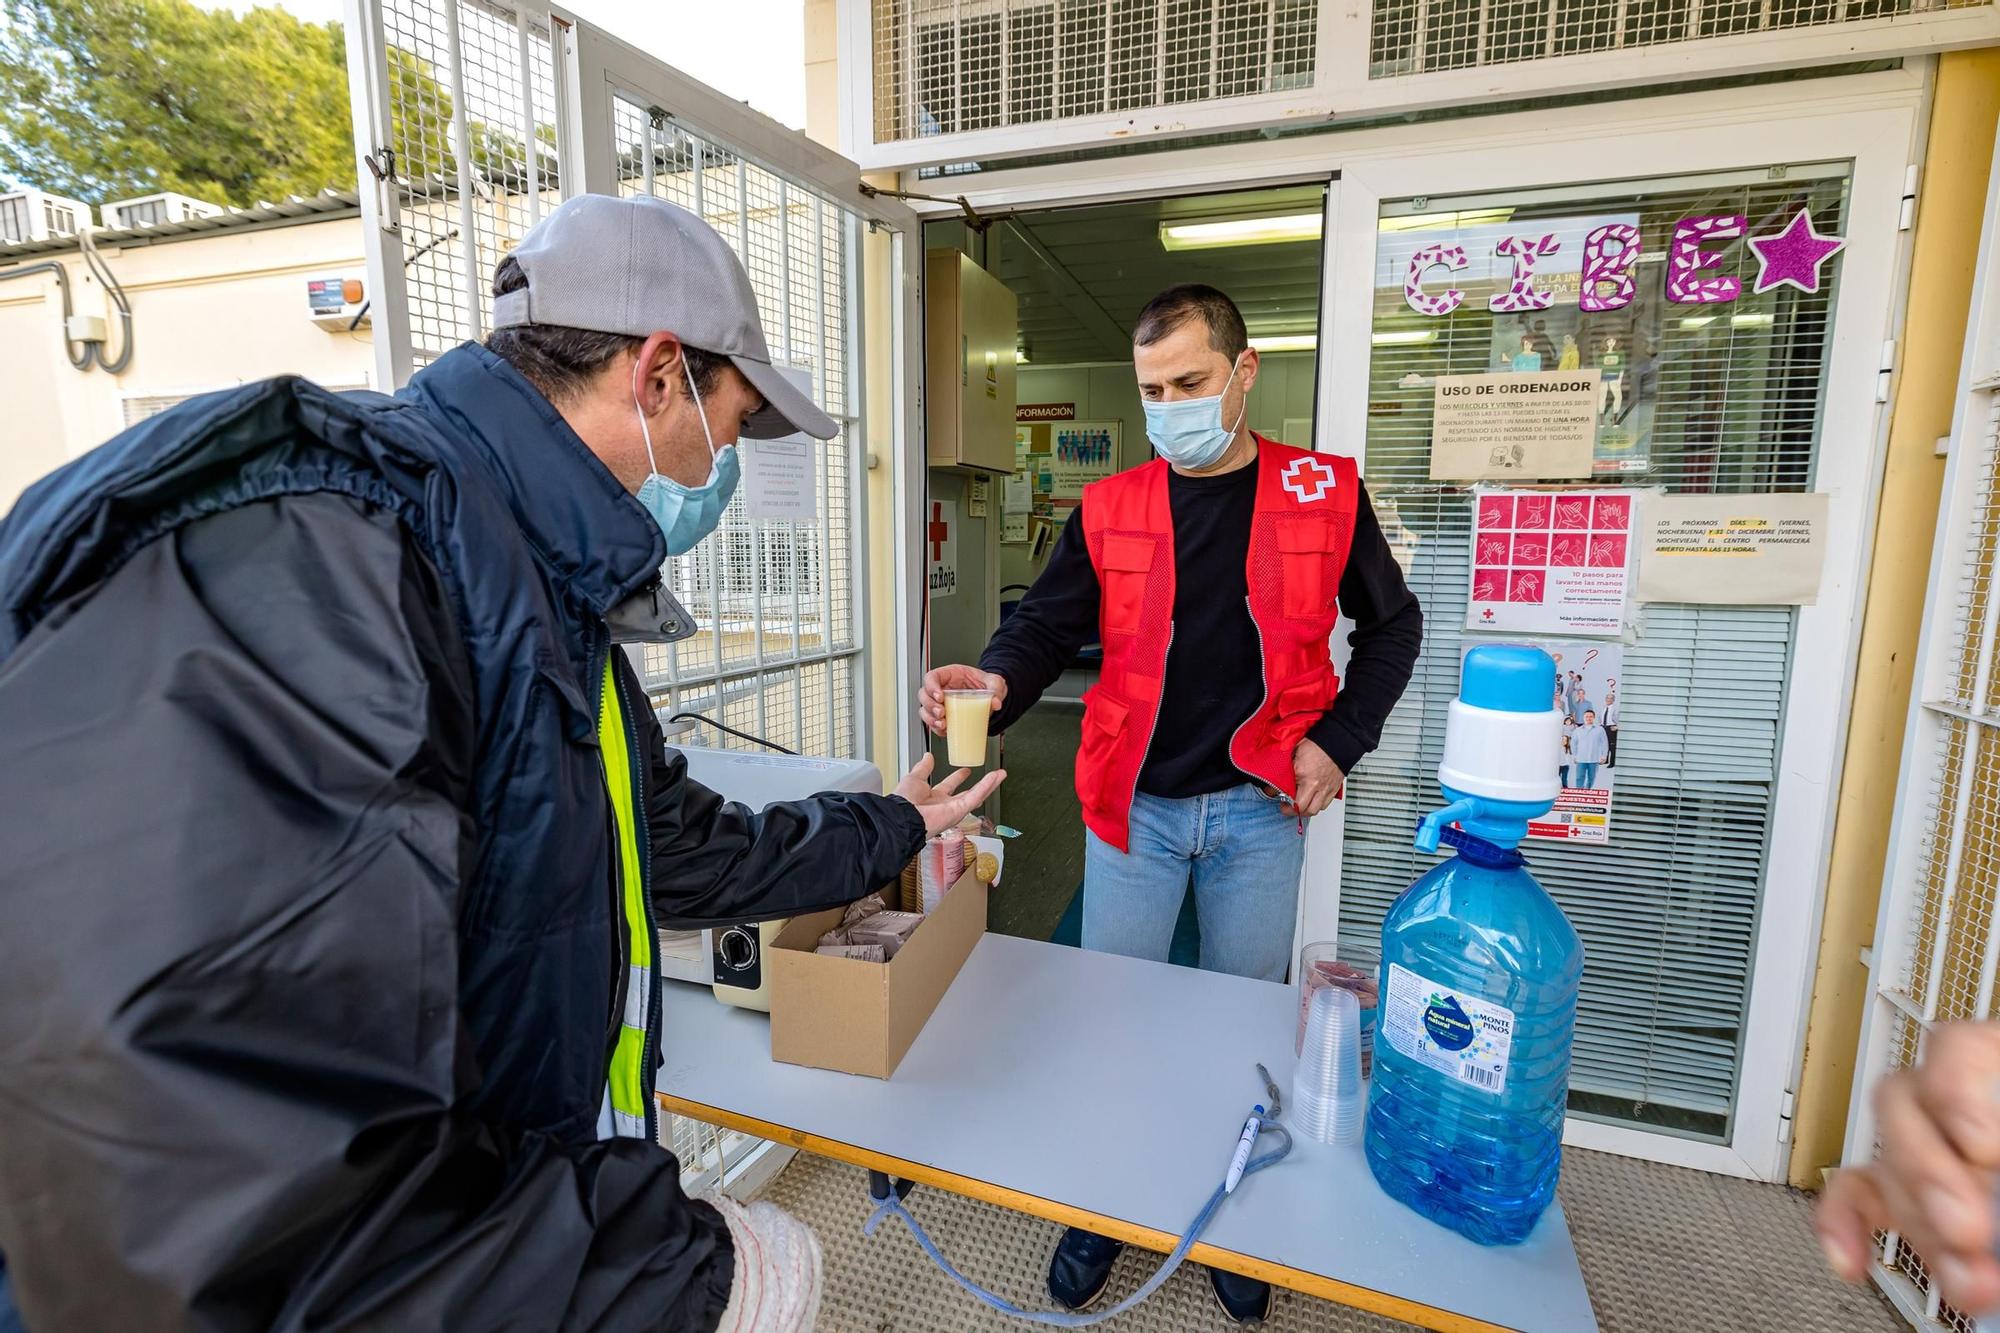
[(970, 327)]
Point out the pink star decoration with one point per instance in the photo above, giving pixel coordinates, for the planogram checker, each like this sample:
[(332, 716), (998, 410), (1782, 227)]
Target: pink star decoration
[(1794, 255)]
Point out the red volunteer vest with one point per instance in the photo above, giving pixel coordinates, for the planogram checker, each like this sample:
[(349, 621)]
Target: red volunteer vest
[(1300, 531)]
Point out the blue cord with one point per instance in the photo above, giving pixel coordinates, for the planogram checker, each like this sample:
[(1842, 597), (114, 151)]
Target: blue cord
[(893, 1207)]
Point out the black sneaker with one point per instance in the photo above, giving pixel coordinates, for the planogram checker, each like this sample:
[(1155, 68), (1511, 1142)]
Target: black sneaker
[(1080, 1270), (1244, 1299)]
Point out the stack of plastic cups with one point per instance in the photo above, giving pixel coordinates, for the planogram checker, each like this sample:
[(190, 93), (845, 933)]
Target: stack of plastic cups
[(1328, 1100)]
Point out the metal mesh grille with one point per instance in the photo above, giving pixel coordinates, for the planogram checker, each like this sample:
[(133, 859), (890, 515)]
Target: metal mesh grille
[(775, 601), (1695, 401), (951, 66), (472, 125), (1949, 972), (1422, 36)]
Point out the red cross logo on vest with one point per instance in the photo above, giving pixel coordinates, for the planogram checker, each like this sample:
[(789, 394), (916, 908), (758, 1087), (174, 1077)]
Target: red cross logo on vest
[(1309, 479)]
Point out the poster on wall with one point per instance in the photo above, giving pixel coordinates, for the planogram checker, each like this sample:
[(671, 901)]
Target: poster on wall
[(1081, 452), (780, 480), (781, 477), (941, 541), (1017, 502), (1733, 550), (1619, 361), (1551, 562), (1587, 696), (1628, 383), (1532, 426)]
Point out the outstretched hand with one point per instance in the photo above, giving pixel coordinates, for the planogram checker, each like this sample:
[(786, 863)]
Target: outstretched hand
[(942, 804), (1939, 1128)]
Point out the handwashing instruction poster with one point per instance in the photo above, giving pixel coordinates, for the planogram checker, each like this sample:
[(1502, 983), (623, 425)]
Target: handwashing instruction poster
[(1587, 695), (1551, 562)]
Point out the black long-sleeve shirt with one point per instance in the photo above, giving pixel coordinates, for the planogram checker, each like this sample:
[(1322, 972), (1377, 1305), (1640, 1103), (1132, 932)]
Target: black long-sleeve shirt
[(1214, 667)]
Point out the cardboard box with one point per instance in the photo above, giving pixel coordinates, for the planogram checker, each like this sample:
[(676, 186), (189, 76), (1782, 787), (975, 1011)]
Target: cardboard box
[(860, 1018)]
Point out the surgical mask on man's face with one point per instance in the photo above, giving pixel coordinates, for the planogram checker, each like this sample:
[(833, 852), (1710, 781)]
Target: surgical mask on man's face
[(1189, 432), (686, 514)]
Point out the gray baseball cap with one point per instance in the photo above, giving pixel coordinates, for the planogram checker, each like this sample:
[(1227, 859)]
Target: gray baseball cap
[(643, 266)]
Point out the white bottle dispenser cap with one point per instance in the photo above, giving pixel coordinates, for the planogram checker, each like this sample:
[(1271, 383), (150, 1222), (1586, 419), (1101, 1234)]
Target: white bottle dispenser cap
[(1503, 735)]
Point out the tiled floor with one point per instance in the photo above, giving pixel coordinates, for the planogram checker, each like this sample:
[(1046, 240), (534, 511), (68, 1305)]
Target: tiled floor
[(1663, 1251)]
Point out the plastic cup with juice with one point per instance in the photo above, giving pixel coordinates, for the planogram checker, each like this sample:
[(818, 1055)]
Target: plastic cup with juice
[(967, 715)]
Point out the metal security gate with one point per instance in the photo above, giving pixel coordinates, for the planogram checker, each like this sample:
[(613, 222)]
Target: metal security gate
[(777, 600), (1937, 949), (475, 119), (455, 105)]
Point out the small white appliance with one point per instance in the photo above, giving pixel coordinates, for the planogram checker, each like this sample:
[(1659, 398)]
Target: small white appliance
[(732, 959)]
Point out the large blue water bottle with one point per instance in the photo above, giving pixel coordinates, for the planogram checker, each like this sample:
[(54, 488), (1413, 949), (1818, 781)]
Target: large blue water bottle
[(1479, 975)]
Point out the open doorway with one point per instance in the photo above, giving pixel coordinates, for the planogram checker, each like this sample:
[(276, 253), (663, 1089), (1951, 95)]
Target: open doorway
[(1078, 278)]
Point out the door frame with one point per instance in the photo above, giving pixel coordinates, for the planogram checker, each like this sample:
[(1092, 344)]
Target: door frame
[(1896, 938), (1872, 120)]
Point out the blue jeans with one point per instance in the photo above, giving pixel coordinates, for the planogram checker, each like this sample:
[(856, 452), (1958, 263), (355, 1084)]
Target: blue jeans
[(1586, 777), (1243, 854)]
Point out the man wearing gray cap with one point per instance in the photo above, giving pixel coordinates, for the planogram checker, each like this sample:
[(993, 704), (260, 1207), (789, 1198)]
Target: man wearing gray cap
[(338, 829)]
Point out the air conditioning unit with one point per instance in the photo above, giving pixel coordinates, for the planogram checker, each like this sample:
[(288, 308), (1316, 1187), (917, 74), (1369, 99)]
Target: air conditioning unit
[(153, 210), (36, 215), (337, 304)]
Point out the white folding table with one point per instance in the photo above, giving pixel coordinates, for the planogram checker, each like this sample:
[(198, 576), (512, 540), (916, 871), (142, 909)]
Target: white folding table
[(1104, 1092)]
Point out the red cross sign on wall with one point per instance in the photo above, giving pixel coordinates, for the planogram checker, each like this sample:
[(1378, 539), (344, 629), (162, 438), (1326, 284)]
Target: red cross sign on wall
[(939, 531)]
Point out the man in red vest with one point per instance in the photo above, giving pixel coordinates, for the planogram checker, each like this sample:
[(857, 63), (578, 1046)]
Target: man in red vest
[(1213, 577)]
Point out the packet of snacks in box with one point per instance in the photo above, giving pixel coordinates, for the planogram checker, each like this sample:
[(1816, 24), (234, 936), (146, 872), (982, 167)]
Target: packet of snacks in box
[(891, 930), (862, 953), (861, 910)]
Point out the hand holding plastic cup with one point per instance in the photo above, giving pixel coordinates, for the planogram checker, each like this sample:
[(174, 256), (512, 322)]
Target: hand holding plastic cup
[(968, 714)]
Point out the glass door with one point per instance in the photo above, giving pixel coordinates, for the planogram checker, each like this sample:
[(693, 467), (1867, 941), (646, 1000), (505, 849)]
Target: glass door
[(1694, 873)]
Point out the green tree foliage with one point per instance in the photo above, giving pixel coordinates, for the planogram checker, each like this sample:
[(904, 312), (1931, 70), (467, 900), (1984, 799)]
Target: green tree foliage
[(112, 98), (420, 111)]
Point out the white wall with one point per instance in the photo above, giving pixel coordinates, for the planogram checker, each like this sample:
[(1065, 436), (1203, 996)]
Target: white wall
[(1109, 393), (208, 313)]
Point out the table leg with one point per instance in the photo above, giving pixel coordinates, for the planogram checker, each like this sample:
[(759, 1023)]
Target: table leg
[(880, 1183)]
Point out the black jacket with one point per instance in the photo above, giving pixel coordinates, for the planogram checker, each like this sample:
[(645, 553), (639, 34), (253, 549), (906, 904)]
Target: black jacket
[(310, 969)]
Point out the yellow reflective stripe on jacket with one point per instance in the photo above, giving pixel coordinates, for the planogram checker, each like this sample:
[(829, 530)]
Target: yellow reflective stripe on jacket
[(626, 1083)]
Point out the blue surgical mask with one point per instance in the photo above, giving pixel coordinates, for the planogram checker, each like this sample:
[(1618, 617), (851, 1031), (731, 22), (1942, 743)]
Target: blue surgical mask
[(1189, 432), (686, 514)]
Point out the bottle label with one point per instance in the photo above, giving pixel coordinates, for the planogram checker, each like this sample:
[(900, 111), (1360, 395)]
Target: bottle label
[(1458, 1035)]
